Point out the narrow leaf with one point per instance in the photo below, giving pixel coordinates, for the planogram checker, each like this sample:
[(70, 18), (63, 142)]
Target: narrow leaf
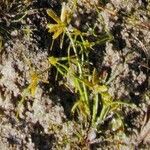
[(52, 14), (57, 33)]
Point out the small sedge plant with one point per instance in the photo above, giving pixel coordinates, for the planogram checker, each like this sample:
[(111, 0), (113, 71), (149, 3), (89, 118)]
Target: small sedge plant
[(93, 101), (91, 93)]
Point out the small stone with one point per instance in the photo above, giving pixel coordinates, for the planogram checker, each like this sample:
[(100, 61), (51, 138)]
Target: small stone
[(14, 33), (91, 135)]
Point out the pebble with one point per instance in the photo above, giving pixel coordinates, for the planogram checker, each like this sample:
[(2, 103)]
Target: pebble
[(14, 33)]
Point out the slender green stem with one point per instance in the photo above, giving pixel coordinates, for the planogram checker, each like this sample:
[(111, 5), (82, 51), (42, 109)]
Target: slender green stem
[(95, 109), (75, 51), (103, 114)]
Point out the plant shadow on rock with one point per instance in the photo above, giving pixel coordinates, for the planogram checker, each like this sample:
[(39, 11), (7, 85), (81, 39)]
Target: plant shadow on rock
[(139, 85), (56, 4), (130, 121), (60, 94), (96, 57), (41, 140), (118, 42)]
